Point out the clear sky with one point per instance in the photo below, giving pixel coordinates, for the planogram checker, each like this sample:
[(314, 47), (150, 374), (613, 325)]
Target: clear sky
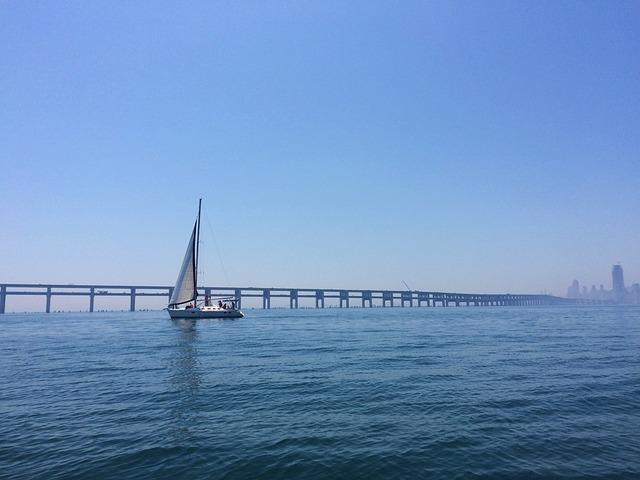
[(459, 146)]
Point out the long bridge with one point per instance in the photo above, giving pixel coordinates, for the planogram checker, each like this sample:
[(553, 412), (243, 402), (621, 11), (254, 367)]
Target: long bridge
[(344, 297)]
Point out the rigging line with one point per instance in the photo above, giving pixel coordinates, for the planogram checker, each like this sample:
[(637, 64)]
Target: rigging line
[(215, 243)]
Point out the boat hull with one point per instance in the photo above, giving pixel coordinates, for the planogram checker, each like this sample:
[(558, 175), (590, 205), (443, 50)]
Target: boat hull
[(198, 313)]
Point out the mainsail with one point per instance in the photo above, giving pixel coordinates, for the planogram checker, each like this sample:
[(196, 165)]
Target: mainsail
[(185, 289)]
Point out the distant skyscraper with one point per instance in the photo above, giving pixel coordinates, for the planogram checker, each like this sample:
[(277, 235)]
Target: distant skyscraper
[(574, 290), (617, 277)]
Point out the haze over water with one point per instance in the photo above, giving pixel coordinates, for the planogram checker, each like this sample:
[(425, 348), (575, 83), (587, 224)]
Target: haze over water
[(358, 393)]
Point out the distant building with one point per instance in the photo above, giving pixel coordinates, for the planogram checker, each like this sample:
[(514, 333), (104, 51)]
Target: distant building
[(574, 290), (618, 293), (617, 280)]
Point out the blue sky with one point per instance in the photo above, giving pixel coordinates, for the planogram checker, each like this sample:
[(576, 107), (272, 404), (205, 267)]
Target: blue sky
[(459, 146)]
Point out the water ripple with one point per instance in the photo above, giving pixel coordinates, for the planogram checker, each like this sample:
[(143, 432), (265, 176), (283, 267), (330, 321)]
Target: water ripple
[(358, 393)]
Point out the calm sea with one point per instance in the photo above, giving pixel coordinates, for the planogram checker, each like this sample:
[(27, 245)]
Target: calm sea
[(546, 392)]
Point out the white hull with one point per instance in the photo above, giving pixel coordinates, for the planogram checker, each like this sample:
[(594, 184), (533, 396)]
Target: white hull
[(206, 312)]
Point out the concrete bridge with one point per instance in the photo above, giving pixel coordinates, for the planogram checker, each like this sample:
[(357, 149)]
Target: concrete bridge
[(344, 297)]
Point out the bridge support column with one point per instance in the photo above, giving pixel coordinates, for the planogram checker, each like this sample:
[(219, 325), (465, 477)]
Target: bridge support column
[(319, 298), (344, 295), (387, 297), (132, 303), (367, 297), (406, 297), (3, 298), (92, 296), (238, 295), (266, 299), (169, 294), (48, 306), (293, 299)]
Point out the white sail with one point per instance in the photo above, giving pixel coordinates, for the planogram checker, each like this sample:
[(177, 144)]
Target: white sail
[(185, 289)]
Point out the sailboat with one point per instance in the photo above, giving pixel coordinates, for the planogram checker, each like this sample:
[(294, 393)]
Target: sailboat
[(184, 301)]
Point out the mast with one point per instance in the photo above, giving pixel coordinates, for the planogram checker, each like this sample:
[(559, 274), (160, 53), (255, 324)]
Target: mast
[(197, 246)]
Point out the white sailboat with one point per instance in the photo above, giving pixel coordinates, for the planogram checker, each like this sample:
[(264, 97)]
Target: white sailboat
[(184, 299)]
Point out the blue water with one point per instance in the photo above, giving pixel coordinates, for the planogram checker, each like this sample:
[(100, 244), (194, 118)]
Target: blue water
[(546, 392)]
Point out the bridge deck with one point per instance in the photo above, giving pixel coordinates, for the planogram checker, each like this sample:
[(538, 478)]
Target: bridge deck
[(366, 297)]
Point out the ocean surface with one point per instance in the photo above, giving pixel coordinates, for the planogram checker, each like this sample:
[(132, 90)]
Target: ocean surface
[(443, 393)]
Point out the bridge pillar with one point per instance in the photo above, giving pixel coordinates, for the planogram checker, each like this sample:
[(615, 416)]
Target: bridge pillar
[(169, 294), (319, 298), (367, 297), (132, 303), (92, 296), (266, 298), (406, 297), (3, 298), (238, 295), (48, 306), (422, 298), (387, 297), (344, 295), (293, 298)]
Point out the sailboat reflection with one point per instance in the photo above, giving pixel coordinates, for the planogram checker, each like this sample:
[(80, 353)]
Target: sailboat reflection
[(185, 381)]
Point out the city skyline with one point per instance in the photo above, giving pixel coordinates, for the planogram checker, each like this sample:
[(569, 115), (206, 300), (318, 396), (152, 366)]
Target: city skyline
[(619, 292), (490, 148)]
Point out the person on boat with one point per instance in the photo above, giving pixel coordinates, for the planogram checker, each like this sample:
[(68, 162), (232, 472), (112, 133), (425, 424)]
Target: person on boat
[(188, 306), (220, 304)]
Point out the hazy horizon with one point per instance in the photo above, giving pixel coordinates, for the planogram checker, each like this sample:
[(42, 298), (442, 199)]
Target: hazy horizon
[(468, 147)]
